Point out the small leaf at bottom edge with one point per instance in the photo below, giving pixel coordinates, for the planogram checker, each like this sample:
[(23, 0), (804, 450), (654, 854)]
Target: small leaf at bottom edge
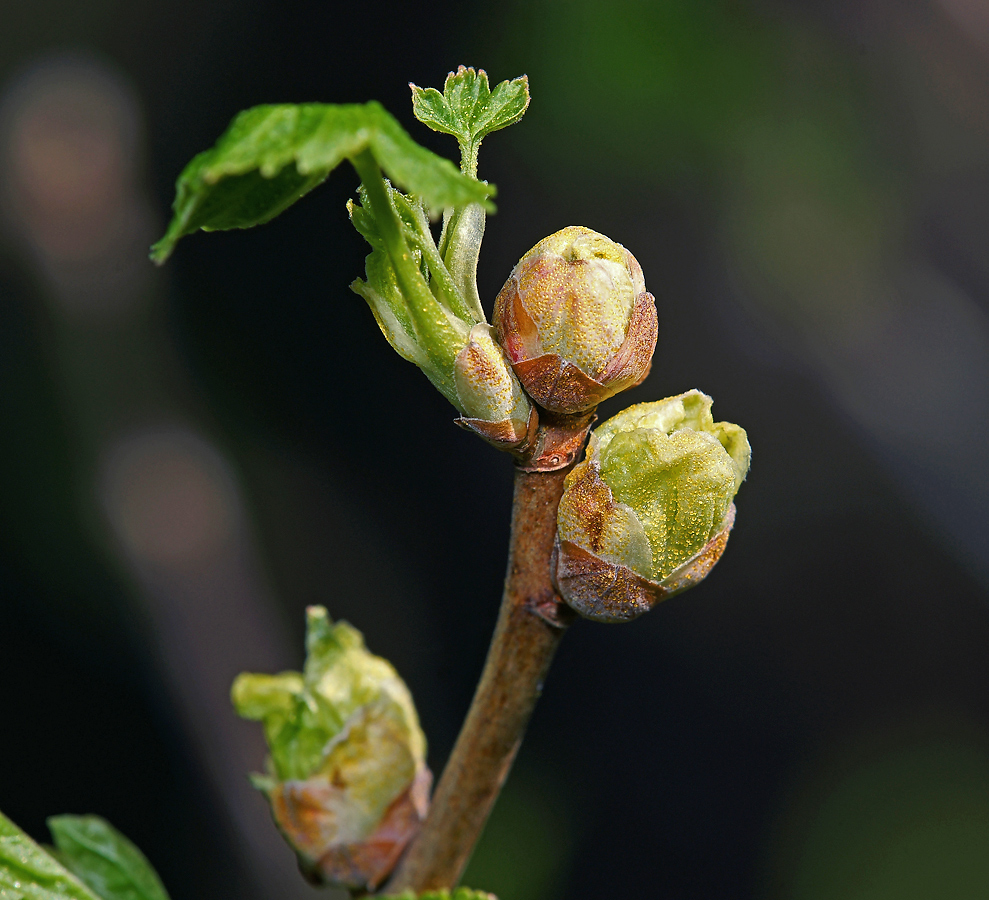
[(27, 872), (103, 859)]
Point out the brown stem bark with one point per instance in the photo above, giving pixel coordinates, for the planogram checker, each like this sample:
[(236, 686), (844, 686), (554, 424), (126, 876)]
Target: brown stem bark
[(531, 623)]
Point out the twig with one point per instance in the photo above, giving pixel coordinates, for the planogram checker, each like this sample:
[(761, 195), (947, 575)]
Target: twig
[(530, 625)]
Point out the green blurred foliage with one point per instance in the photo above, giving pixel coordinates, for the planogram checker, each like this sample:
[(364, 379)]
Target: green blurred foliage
[(911, 824), (651, 87), (771, 120)]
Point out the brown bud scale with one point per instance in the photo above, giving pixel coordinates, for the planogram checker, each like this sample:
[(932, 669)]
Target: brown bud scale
[(504, 434), (305, 813), (557, 443), (606, 592)]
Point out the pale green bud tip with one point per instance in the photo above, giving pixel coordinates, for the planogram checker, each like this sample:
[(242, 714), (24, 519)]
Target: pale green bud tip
[(347, 782), (648, 513), (491, 399), (576, 320)]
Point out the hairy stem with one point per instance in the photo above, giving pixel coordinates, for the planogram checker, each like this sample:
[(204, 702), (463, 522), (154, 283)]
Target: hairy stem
[(530, 625)]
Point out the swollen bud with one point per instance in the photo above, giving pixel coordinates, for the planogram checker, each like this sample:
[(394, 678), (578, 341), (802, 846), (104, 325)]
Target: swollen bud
[(648, 513), (347, 779), (491, 398), (576, 320)]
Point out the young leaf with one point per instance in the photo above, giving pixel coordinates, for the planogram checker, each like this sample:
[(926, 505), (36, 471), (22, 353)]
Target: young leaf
[(270, 156), (103, 859), (28, 873), (469, 110)]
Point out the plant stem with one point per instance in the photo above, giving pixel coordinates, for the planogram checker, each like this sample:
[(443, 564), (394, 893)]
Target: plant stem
[(530, 625)]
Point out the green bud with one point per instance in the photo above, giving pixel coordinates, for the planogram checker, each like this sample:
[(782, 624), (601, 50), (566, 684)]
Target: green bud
[(417, 325), (647, 514), (347, 779), (491, 398), (576, 320)]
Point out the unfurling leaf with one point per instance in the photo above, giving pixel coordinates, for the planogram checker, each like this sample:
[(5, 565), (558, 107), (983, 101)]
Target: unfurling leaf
[(469, 110), (428, 326), (272, 155), (103, 859), (347, 779)]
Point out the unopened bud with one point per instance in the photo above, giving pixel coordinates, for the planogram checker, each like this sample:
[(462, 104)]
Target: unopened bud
[(648, 513), (491, 398), (576, 320), (347, 779)]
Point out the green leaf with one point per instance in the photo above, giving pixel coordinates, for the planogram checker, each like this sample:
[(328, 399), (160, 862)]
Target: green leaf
[(460, 893), (103, 859), (469, 110), (270, 156), (29, 873)]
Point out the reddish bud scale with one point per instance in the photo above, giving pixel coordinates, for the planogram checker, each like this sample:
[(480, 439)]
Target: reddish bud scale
[(307, 814), (493, 403)]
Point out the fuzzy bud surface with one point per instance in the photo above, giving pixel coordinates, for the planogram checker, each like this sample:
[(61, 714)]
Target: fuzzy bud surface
[(492, 400), (648, 513), (576, 320)]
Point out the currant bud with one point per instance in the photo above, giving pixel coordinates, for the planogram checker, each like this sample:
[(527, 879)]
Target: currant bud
[(576, 320), (647, 514), (347, 779)]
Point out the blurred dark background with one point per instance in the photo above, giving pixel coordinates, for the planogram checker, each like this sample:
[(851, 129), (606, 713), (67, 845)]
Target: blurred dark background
[(191, 455)]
